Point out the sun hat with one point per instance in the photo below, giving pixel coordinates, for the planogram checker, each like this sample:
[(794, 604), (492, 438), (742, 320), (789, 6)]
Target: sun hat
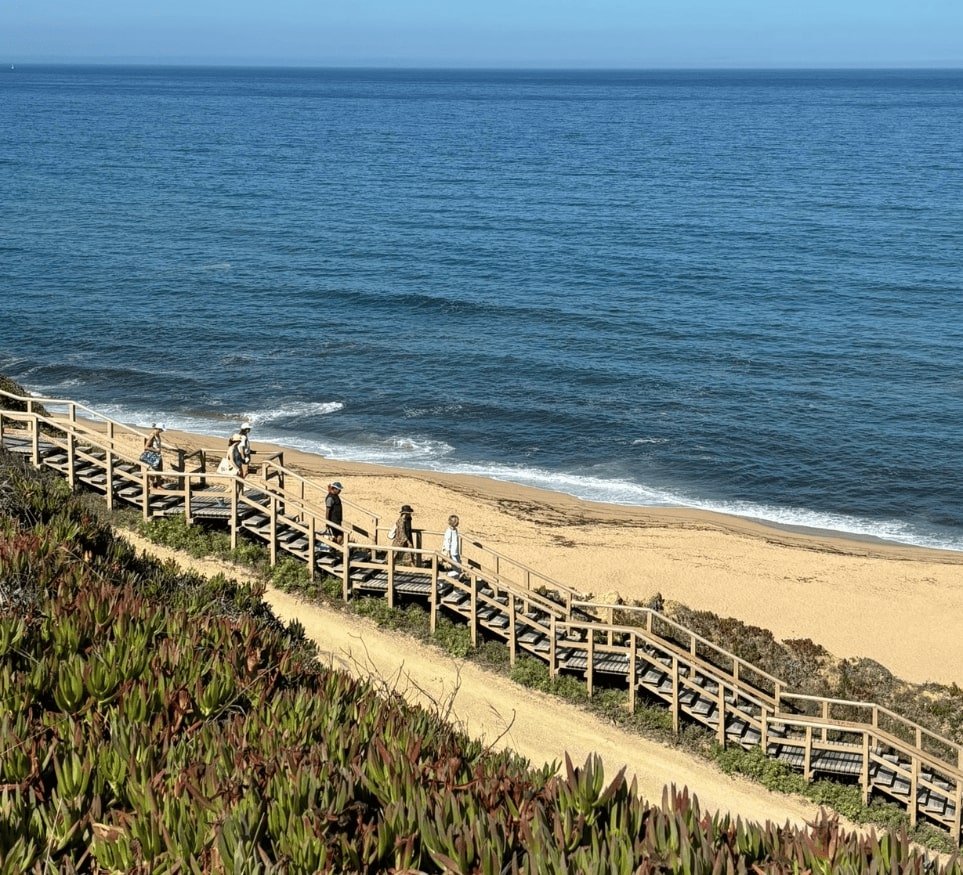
[(407, 508), (336, 485), (245, 426)]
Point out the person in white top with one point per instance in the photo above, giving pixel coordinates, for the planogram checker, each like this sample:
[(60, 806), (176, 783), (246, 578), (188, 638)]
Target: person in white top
[(451, 546)]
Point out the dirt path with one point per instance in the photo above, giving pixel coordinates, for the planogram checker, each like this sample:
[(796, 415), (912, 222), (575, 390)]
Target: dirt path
[(503, 714)]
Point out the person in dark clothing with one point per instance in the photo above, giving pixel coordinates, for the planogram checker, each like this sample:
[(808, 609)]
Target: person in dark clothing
[(333, 513), (404, 537)]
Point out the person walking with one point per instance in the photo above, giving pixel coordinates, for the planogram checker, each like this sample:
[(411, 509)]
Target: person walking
[(243, 438), (152, 456), (451, 546), (404, 537), (333, 513), (233, 461)]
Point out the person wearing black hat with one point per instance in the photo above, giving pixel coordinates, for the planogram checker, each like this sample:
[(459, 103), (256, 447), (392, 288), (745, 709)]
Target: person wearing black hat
[(404, 537), (333, 513)]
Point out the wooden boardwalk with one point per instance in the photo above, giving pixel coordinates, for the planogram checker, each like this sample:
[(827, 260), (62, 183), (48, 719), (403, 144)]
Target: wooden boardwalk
[(652, 657)]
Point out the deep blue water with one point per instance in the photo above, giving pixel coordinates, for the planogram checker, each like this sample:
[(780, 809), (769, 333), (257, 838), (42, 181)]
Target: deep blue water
[(739, 291)]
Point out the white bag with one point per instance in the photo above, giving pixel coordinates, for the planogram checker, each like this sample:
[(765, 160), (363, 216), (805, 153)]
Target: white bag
[(392, 532), (226, 467)]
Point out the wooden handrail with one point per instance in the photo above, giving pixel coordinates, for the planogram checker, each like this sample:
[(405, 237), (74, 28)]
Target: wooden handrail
[(693, 636)]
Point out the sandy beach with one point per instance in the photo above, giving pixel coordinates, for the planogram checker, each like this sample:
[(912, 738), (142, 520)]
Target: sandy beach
[(898, 605)]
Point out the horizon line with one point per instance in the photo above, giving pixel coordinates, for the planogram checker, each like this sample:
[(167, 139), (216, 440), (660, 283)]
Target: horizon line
[(482, 68)]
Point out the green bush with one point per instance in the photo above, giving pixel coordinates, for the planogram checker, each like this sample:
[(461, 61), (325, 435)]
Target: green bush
[(290, 574), (454, 638)]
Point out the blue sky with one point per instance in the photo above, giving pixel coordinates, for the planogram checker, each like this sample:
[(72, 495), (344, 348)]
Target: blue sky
[(488, 33)]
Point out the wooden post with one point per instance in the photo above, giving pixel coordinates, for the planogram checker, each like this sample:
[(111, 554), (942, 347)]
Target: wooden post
[(864, 775), (145, 495), (551, 648), (345, 569), (826, 718), (633, 670), (473, 583), (675, 694), (71, 458), (958, 813), (390, 555), (764, 730), (914, 790), (721, 708), (273, 526), (35, 456), (109, 485), (433, 617), (512, 634), (590, 663), (312, 546), (808, 755), (777, 696), (235, 523), (188, 517)]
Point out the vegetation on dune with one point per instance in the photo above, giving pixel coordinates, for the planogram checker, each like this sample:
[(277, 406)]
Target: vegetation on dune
[(14, 388)]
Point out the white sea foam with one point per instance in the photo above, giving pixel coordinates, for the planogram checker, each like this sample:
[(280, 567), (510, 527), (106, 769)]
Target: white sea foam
[(292, 410), (409, 452)]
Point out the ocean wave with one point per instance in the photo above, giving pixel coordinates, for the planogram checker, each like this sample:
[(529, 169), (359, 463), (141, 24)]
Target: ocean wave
[(411, 452), (292, 410), (434, 410)]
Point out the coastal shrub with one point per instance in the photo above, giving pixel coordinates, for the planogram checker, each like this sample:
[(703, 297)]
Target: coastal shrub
[(248, 553), (290, 574), (533, 673), (14, 388), (176, 533), (649, 719), (331, 587), (453, 638), (492, 655), (530, 672)]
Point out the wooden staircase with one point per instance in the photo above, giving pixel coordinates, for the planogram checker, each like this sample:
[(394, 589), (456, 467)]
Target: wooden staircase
[(654, 658)]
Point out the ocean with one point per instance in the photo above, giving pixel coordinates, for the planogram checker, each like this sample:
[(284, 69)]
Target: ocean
[(738, 291)]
